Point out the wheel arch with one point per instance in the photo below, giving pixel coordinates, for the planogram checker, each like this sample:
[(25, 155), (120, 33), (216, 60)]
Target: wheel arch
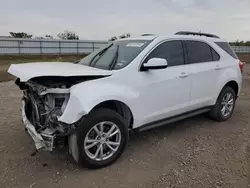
[(234, 85), (119, 107), (231, 83)]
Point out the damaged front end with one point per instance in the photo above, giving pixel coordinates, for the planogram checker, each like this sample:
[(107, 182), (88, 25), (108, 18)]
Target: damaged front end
[(46, 87), (42, 105)]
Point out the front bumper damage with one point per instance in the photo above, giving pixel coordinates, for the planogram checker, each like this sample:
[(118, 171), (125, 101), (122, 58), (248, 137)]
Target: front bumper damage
[(44, 140), (42, 108)]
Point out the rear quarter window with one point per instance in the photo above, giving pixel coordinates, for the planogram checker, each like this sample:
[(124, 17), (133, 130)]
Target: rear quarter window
[(215, 55), (227, 48)]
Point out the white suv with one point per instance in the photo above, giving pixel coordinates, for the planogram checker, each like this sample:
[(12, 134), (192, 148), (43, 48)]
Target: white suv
[(130, 85)]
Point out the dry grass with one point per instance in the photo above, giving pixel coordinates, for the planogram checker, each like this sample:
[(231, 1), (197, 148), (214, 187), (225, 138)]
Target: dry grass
[(245, 57), (6, 61), (4, 75)]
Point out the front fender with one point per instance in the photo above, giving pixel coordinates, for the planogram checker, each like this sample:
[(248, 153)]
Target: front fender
[(85, 96)]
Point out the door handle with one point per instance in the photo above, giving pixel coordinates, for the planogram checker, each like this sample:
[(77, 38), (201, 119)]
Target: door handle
[(183, 75), (217, 67)]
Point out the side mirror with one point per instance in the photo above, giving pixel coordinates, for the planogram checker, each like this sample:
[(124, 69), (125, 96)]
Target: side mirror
[(155, 63)]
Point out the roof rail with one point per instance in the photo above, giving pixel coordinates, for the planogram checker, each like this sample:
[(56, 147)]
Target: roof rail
[(196, 33)]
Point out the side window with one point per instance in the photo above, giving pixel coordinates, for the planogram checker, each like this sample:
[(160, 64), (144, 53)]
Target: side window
[(172, 51), (215, 55), (198, 52), (226, 47)]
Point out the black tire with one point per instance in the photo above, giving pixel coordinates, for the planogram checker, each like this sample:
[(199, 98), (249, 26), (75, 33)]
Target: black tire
[(216, 113), (95, 117)]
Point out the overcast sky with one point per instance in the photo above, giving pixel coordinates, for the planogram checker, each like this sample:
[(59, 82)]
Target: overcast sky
[(101, 19)]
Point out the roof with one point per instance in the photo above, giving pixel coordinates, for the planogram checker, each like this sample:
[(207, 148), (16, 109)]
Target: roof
[(197, 37), (192, 37), (196, 34)]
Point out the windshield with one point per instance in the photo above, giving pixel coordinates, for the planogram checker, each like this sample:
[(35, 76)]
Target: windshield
[(115, 55)]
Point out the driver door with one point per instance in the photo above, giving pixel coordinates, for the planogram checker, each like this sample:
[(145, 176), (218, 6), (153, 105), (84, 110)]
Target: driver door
[(165, 93)]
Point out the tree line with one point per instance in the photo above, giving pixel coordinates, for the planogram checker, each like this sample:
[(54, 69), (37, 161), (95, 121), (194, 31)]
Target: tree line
[(70, 35), (66, 35), (240, 43)]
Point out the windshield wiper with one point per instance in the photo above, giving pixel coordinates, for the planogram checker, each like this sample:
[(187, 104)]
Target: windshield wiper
[(76, 62), (114, 60), (100, 53)]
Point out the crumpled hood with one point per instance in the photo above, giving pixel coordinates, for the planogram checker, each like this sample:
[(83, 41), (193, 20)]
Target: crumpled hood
[(27, 71)]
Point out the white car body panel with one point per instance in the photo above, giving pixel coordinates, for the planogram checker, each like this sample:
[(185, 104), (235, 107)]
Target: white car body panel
[(26, 71), (152, 95), (144, 86), (96, 92), (167, 86), (139, 97), (203, 77)]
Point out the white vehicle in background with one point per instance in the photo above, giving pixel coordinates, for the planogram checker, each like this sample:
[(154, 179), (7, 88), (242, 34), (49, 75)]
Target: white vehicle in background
[(132, 84)]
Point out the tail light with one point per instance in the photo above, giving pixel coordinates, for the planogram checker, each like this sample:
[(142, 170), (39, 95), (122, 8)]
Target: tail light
[(241, 65)]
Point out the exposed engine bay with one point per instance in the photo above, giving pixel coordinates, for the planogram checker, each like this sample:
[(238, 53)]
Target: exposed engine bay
[(45, 100), (45, 105)]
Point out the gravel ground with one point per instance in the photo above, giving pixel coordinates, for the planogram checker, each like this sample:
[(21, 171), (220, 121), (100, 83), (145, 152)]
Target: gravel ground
[(196, 152)]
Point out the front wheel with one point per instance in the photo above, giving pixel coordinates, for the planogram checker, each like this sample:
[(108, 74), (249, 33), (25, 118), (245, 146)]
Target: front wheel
[(224, 106), (101, 137)]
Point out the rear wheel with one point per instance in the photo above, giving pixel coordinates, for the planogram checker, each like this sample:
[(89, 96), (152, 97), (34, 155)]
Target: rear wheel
[(224, 106), (102, 138)]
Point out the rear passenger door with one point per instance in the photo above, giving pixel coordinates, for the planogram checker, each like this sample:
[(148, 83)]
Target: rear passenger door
[(203, 61)]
